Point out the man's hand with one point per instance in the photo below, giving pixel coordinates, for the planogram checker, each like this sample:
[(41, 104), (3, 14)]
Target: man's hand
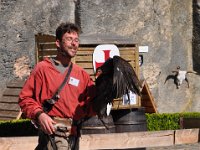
[(46, 123)]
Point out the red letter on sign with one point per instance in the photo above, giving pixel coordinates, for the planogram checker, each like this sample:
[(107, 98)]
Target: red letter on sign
[(106, 56)]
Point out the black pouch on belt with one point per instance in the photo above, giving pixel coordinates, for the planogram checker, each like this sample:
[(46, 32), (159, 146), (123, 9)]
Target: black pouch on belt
[(63, 126)]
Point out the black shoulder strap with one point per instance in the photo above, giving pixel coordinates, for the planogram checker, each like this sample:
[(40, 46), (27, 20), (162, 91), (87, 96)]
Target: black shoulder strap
[(48, 104), (56, 95)]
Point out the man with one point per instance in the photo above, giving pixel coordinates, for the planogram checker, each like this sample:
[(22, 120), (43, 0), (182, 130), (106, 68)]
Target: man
[(73, 101)]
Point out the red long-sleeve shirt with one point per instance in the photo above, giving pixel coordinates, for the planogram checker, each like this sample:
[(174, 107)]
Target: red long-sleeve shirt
[(43, 82)]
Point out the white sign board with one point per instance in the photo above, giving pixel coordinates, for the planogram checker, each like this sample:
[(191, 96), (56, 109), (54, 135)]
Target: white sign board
[(102, 53), (143, 49), (131, 100)]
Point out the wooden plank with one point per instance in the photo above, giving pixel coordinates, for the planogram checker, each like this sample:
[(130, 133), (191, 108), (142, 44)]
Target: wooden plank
[(115, 107), (9, 99), (149, 109), (84, 58), (90, 71), (16, 83), (128, 54), (123, 50), (46, 53), (87, 48), (8, 115), (127, 48), (80, 53), (128, 57), (41, 38), (36, 49), (85, 65), (126, 140), (47, 45), (187, 136), (12, 91), (147, 98), (54, 52), (134, 65), (9, 106), (145, 101), (7, 118)]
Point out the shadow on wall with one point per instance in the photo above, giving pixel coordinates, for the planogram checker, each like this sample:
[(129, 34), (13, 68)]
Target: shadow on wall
[(196, 36), (77, 13)]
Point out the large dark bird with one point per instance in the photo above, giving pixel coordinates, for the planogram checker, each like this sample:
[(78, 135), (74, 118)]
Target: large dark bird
[(115, 78)]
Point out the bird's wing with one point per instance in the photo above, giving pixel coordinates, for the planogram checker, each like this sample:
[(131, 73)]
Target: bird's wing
[(175, 71), (192, 72), (117, 79), (124, 78), (169, 77), (103, 93)]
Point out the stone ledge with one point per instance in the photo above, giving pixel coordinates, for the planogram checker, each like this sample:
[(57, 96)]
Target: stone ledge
[(114, 140), (186, 136)]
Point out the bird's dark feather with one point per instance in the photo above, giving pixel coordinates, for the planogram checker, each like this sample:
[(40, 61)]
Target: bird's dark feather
[(124, 77), (170, 77), (117, 79)]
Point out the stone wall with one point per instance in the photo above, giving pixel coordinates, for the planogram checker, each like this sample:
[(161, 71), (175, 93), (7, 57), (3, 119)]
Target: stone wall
[(20, 21), (165, 26)]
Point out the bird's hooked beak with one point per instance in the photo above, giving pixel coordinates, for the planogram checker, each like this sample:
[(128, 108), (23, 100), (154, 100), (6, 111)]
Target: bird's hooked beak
[(98, 72)]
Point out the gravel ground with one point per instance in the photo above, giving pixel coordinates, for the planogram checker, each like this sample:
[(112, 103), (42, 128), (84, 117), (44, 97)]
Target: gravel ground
[(195, 146)]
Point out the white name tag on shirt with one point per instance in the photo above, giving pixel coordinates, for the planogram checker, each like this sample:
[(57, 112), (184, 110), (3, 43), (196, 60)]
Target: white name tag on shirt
[(73, 81)]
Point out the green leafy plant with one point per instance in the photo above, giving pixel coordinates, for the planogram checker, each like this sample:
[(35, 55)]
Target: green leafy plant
[(167, 121), (156, 122), (21, 127)]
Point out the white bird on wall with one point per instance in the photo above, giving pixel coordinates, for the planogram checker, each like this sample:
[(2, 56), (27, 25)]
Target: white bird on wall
[(179, 76)]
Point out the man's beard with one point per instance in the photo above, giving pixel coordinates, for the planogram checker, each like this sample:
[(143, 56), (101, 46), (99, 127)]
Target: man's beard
[(63, 52)]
